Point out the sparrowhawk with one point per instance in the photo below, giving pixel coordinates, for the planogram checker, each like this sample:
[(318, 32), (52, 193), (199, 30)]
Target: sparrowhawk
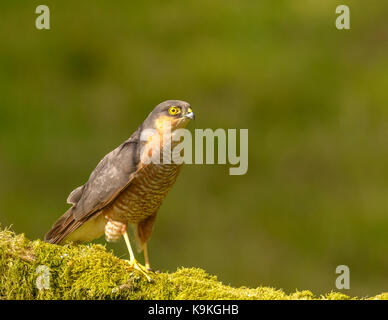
[(126, 187)]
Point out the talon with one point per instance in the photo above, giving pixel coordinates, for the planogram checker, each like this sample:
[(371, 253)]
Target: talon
[(148, 268), (137, 266)]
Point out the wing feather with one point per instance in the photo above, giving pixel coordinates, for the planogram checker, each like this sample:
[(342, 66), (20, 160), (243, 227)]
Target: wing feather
[(75, 195), (113, 174)]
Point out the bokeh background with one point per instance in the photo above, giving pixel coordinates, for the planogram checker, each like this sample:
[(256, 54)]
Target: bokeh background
[(313, 98)]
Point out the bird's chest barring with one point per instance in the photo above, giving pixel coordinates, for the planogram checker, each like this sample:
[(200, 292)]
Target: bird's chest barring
[(143, 197)]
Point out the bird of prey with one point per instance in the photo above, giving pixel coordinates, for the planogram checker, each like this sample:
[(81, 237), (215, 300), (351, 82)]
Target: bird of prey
[(127, 186)]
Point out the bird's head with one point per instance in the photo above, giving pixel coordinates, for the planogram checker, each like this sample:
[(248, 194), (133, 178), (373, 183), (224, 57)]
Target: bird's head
[(174, 113)]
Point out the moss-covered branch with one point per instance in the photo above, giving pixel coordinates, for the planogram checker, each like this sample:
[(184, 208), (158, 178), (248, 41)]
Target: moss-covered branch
[(90, 272)]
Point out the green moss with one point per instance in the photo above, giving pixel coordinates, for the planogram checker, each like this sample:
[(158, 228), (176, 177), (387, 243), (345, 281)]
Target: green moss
[(90, 272)]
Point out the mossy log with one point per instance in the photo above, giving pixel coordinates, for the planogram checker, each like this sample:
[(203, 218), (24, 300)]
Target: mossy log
[(38, 270)]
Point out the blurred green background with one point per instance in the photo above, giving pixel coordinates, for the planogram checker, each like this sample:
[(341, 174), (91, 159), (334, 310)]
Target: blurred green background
[(313, 98)]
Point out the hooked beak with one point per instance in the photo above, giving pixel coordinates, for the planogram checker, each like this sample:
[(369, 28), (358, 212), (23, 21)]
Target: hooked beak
[(190, 114)]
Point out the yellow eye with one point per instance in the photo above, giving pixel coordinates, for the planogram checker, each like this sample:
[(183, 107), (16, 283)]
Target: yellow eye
[(173, 111)]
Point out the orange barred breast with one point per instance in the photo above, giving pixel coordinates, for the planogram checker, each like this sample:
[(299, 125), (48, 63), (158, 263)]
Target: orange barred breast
[(144, 195)]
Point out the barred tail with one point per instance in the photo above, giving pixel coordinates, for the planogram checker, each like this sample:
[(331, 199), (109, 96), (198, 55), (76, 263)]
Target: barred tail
[(62, 228)]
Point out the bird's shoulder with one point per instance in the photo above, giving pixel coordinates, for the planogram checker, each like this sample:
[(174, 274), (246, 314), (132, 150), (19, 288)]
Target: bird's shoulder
[(112, 174)]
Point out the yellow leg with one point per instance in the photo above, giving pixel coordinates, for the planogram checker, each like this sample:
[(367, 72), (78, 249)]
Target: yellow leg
[(132, 261), (146, 260), (131, 255)]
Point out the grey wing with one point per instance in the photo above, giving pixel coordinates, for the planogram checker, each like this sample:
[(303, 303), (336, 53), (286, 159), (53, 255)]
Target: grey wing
[(108, 179), (75, 195)]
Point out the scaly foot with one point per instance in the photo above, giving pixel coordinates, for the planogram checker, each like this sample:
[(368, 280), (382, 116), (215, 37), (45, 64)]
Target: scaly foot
[(133, 264), (148, 268)]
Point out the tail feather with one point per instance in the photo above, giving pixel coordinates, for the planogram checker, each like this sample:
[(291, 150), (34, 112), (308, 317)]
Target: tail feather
[(62, 228)]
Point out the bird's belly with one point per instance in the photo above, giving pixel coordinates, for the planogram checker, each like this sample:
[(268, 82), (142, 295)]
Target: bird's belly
[(90, 230), (146, 192)]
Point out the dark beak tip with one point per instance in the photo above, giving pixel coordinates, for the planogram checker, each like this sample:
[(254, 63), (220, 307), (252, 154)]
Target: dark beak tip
[(190, 115)]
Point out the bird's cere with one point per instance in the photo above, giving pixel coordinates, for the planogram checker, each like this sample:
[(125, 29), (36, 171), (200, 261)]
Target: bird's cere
[(190, 115)]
